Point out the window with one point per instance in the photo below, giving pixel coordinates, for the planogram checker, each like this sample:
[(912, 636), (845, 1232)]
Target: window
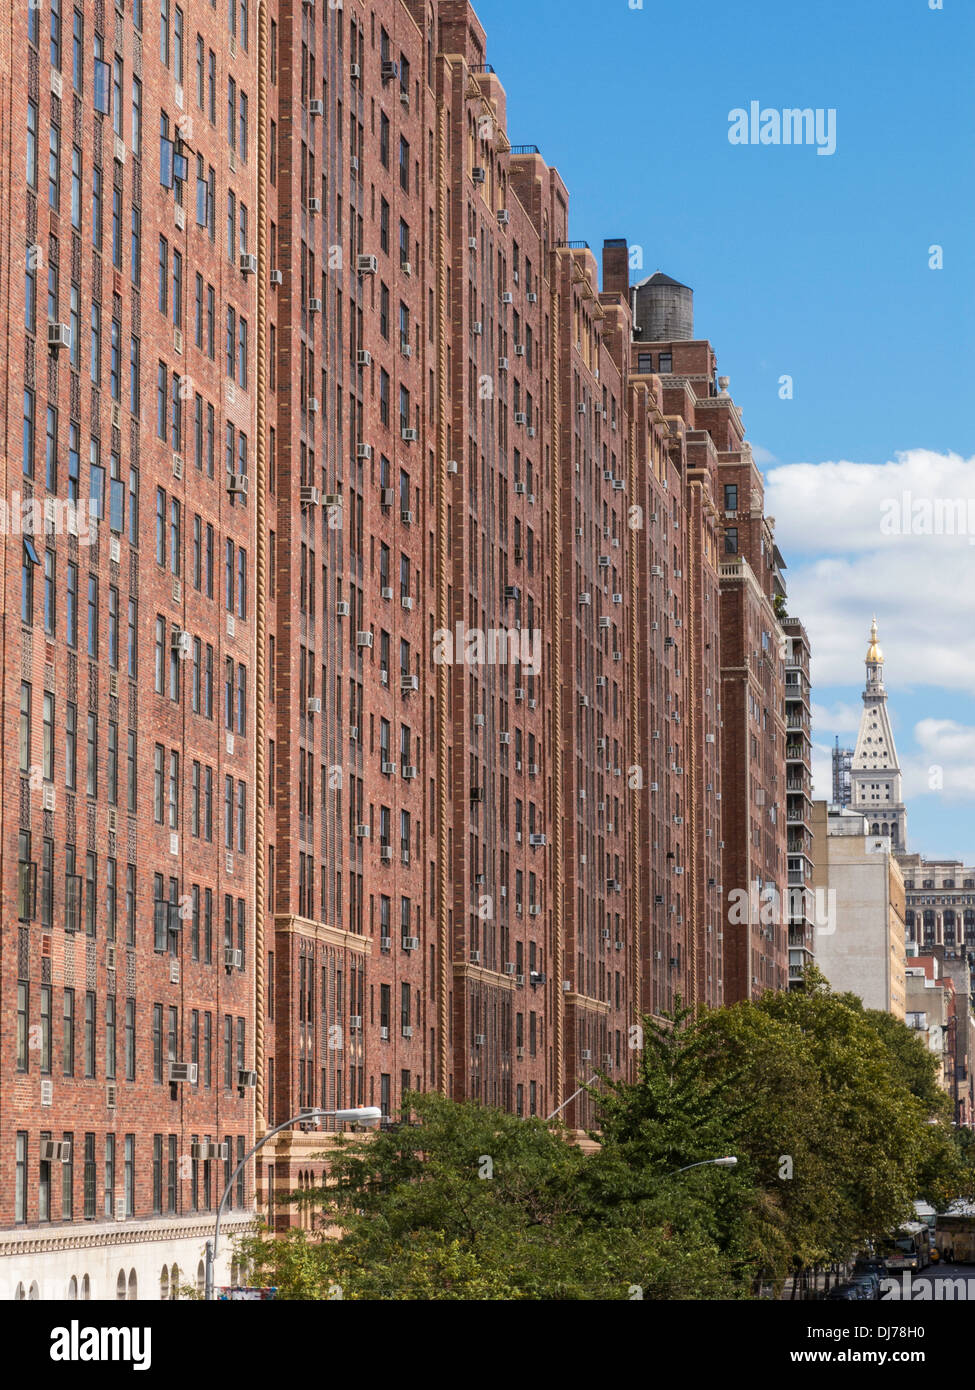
[(23, 1005), (731, 497), (67, 1033), (731, 540), (130, 1039), (54, 169), (32, 144), (137, 118), (89, 1058)]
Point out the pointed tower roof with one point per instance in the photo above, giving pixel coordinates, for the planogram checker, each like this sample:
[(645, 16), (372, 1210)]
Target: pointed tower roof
[(874, 655)]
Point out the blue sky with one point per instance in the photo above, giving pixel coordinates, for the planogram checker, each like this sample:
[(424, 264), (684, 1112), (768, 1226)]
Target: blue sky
[(815, 267)]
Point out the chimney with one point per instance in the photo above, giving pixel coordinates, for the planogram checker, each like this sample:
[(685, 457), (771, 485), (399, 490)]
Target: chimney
[(616, 267)]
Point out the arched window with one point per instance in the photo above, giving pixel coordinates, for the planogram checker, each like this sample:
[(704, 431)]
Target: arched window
[(174, 1282), (928, 928), (949, 921), (19, 1294), (72, 1289), (164, 1283), (120, 1286), (34, 1294), (133, 1286), (876, 828), (85, 1288), (201, 1277)]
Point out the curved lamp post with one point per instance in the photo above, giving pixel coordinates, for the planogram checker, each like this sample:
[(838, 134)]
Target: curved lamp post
[(367, 1115)]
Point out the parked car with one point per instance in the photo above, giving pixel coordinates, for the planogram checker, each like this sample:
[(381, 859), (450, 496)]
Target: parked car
[(868, 1282), (850, 1293)]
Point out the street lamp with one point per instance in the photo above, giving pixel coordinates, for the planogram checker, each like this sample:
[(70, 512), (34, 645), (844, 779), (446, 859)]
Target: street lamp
[(729, 1162), (366, 1115)]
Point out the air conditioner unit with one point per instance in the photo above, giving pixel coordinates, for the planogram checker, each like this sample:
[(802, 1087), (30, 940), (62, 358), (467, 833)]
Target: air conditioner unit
[(521, 488), (276, 277), (363, 639), (237, 486), (477, 793), (519, 693), (248, 263), (406, 517), (504, 217), (309, 496), (406, 600), (367, 265), (532, 297), (388, 769), (385, 943), (355, 72), (363, 451), (451, 465), (342, 608), (180, 642), (537, 840), (411, 943), (534, 909), (585, 600), (408, 683), (405, 348), (363, 358), (409, 436), (355, 1023), (406, 268), (617, 598), (478, 174), (521, 418), (511, 591), (383, 1033), (246, 1079), (55, 1151), (502, 364), (601, 681), (389, 70), (409, 773), (362, 832), (232, 958), (520, 1051), (182, 1073), (477, 328), (407, 1030), (312, 405), (480, 1039), (316, 107), (386, 851), (315, 705), (314, 205), (386, 592), (58, 336), (507, 297), (519, 349), (314, 306)]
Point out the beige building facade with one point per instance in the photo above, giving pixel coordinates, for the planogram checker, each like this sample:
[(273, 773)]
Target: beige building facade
[(861, 948)]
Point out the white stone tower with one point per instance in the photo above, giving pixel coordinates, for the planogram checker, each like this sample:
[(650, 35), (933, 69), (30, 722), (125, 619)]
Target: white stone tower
[(875, 774)]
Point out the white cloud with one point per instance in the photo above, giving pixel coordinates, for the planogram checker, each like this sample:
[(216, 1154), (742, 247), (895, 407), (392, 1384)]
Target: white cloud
[(944, 764), (840, 718), (841, 527), (762, 456)]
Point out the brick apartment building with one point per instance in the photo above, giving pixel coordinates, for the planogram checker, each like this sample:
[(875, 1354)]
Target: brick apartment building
[(411, 655)]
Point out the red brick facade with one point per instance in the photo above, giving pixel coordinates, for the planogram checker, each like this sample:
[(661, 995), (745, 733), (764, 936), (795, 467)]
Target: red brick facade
[(413, 418)]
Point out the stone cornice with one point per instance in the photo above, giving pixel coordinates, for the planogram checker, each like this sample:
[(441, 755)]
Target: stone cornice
[(321, 931), (88, 1237), (483, 976)]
